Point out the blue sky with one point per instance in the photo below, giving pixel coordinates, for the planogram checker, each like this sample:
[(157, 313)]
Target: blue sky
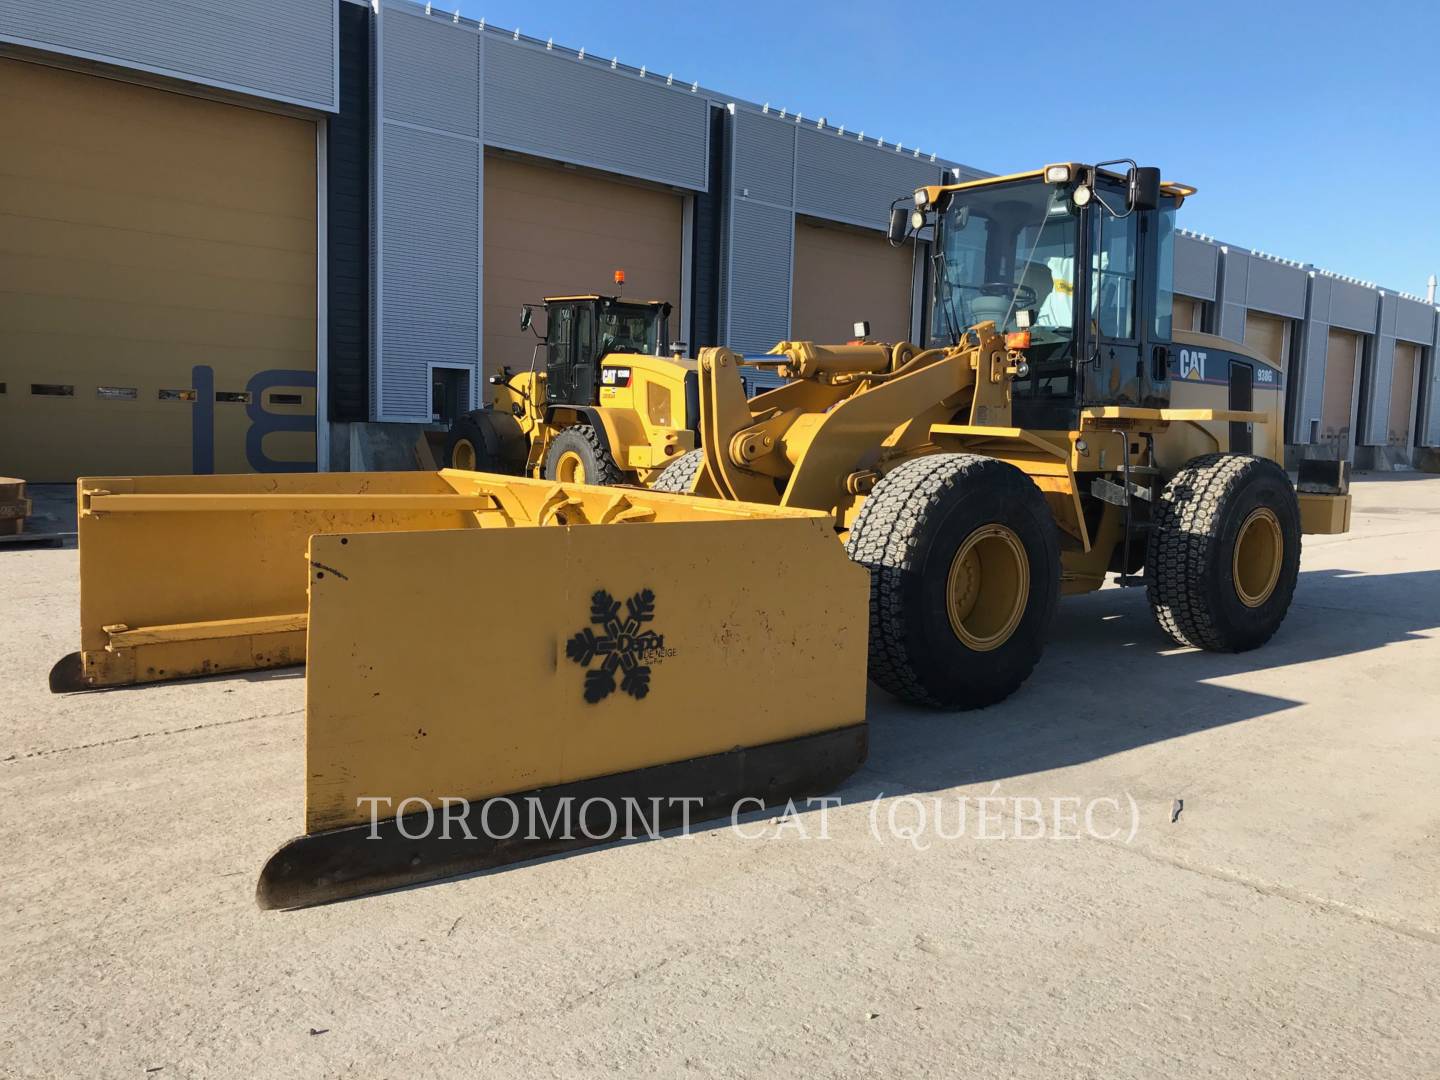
[(1310, 129)]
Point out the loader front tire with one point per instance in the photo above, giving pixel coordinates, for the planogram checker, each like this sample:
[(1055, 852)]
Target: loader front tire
[(485, 441), (1224, 553), (468, 447), (964, 562), (679, 476), (577, 456)]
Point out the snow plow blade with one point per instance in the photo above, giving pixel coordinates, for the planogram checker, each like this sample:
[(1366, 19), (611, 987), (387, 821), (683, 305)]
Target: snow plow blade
[(497, 668)]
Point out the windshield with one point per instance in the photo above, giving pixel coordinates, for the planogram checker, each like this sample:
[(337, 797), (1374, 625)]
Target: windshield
[(630, 329), (1001, 250), (1005, 249)]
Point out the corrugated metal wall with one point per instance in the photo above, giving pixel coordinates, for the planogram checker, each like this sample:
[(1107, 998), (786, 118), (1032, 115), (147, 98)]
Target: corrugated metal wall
[(557, 106), (1401, 320), (428, 182), (1428, 424), (781, 167), (278, 49), (760, 236), (845, 180)]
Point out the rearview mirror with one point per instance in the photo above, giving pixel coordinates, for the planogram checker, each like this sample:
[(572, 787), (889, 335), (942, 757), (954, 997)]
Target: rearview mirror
[(525, 317), (1144, 188), (899, 223)]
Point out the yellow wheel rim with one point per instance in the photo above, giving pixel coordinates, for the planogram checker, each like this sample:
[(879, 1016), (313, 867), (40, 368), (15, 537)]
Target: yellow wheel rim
[(1259, 554), (462, 455), (570, 468), (988, 587)]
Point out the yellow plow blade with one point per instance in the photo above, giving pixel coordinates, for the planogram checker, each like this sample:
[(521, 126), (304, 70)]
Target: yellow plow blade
[(498, 668)]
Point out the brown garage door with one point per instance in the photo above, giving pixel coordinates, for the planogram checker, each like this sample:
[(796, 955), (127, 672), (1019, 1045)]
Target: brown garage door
[(1186, 313), (1342, 355), (556, 232), (1402, 392), (1267, 334), (843, 276), (157, 280)]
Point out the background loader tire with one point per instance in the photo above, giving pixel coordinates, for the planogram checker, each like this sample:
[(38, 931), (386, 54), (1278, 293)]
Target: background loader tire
[(578, 456), (679, 475), (1203, 591), (935, 532), (469, 446)]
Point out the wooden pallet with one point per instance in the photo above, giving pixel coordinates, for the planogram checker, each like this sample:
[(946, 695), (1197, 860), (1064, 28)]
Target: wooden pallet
[(15, 507)]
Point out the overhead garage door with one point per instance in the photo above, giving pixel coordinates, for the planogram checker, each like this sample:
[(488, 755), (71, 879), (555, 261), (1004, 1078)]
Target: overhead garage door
[(557, 232), (843, 276), (1342, 355), (1268, 335), (157, 280), (1402, 392)]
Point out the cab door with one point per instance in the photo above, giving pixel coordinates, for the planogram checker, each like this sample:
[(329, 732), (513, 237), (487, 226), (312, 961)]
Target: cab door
[(1157, 291), (560, 354), (1115, 374)]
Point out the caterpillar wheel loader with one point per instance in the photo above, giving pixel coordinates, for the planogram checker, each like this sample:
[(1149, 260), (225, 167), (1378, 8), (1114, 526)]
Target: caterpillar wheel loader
[(608, 405), (1060, 430)]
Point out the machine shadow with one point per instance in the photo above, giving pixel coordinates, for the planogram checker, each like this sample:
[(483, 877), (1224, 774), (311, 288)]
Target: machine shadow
[(1067, 712)]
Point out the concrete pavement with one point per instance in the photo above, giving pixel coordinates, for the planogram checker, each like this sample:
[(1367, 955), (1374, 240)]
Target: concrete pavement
[(1285, 923)]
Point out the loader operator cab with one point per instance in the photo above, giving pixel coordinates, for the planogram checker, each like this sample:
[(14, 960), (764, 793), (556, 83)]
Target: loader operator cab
[(582, 330), (1080, 258)]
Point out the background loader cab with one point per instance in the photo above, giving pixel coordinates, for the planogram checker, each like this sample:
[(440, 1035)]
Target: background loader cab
[(582, 330), (607, 406)]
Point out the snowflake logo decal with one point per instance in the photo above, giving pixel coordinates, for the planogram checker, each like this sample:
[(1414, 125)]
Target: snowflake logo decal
[(620, 646)]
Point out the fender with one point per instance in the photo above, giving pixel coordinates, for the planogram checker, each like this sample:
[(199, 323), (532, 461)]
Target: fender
[(602, 420)]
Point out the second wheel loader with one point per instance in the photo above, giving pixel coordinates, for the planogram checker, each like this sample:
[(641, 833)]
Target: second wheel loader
[(606, 406), (1060, 431)]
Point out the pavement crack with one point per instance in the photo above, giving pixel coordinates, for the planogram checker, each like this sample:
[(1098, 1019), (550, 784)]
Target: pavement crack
[(54, 750), (1287, 892)]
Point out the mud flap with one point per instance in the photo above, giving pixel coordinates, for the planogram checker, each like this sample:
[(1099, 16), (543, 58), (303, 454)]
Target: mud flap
[(464, 672)]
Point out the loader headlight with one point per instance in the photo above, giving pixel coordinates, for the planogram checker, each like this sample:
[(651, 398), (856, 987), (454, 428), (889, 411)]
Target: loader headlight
[(1057, 174), (917, 220), (1082, 195), (922, 198)]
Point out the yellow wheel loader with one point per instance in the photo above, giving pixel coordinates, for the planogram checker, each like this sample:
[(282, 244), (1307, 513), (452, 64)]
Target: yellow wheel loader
[(607, 406), (1061, 431)]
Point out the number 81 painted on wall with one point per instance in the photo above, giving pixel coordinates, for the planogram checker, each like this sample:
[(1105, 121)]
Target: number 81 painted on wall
[(262, 421)]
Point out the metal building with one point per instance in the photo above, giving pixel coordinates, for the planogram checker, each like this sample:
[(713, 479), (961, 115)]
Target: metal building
[(1359, 361), (267, 235)]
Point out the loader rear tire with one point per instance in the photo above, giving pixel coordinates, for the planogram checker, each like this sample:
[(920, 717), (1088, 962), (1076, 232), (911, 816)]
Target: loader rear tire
[(577, 456), (1224, 553), (964, 561), (679, 476)]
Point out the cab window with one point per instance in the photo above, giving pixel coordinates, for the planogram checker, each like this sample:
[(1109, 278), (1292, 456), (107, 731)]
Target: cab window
[(1164, 274)]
